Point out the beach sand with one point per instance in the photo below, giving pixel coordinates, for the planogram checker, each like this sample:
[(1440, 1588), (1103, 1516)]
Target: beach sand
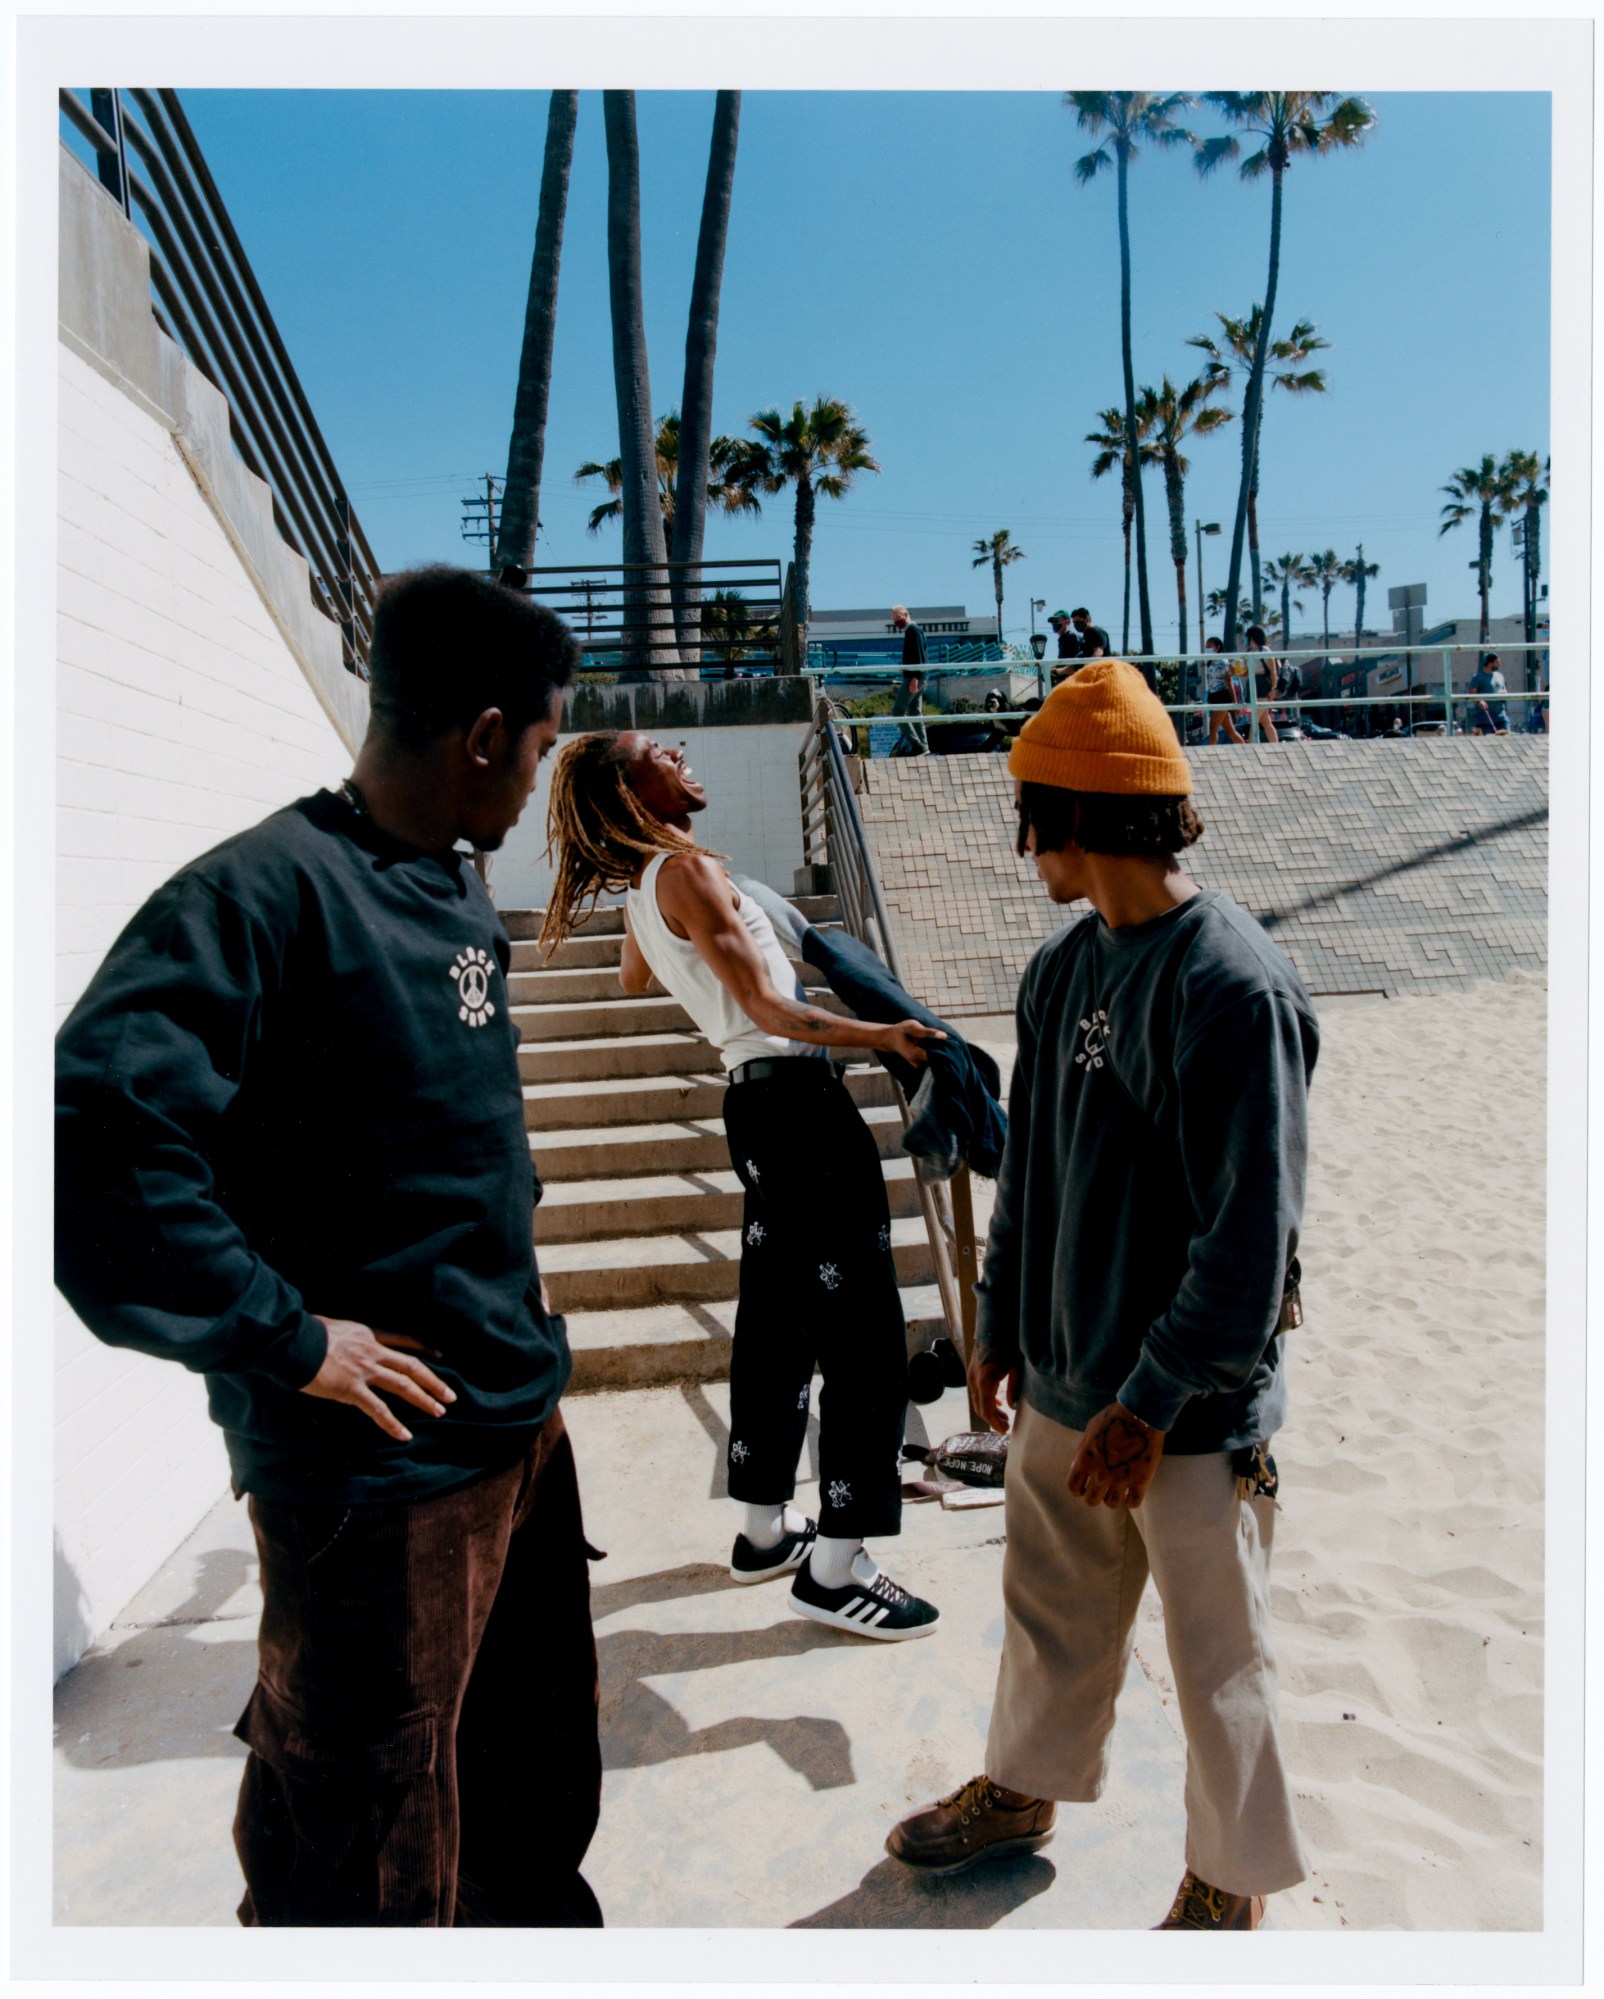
[(1406, 1584)]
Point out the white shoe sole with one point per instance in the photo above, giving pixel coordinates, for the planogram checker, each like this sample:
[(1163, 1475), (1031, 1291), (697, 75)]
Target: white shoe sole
[(788, 1567), (840, 1622)]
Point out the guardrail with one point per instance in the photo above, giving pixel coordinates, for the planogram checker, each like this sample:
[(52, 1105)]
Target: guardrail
[(833, 836), (208, 302), (623, 613)]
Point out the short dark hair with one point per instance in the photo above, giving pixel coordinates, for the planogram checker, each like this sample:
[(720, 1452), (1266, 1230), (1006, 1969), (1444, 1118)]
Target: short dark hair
[(1105, 822), (1257, 636), (1080, 611), (1490, 660), (450, 643)]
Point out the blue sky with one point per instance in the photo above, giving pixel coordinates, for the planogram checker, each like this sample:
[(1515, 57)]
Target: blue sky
[(928, 257)]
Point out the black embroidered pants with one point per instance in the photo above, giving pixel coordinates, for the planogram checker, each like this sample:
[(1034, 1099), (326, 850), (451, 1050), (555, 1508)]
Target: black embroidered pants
[(818, 1288)]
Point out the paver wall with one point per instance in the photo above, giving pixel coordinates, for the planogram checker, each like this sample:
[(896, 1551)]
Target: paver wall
[(1378, 867)]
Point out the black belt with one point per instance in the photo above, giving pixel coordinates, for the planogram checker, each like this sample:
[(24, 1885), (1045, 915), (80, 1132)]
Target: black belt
[(765, 1068)]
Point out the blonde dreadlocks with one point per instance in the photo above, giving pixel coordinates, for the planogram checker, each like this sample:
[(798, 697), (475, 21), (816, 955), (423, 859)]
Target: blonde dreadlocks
[(599, 832)]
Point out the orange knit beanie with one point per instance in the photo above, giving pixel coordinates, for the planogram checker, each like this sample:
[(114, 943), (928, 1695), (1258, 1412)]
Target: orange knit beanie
[(1102, 729)]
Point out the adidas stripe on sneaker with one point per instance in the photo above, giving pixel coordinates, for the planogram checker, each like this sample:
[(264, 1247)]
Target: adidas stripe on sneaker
[(873, 1606)]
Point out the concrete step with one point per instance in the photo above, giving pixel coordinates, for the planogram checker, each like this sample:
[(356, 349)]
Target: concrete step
[(655, 1346), (695, 1269), (687, 1146), (620, 1014), (673, 1203), (523, 925), (578, 953), (588, 985), (556, 1100), (617, 1055)]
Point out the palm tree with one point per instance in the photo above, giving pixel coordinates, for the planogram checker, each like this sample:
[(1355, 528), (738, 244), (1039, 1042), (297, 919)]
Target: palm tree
[(1358, 572), (729, 631), (1129, 117), (701, 342), (1112, 450), (1169, 416), (999, 551), (1287, 573), (736, 466), (1288, 122), (1484, 491), (648, 636), (818, 449), (526, 449), (1239, 338), (1325, 573), (1528, 489)]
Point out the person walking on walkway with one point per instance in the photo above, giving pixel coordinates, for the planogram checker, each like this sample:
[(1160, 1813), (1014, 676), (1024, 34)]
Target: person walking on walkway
[(1486, 717), (1220, 693), (818, 1280), (1136, 1286), (291, 1155)]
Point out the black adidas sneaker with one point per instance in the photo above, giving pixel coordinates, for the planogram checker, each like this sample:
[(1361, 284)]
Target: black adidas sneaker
[(875, 1609), (756, 1565)]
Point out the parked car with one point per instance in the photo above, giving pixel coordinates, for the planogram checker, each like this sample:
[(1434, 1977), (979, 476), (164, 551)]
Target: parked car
[(1428, 729), (1317, 732)]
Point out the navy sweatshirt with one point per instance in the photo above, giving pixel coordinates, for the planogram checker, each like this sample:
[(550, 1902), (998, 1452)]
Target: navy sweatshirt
[(1152, 1180), (293, 1087)]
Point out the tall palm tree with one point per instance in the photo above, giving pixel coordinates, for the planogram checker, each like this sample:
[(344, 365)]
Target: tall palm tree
[(701, 343), (1131, 118), (526, 449), (818, 448), (736, 466), (997, 550), (1112, 450), (1287, 122), (1287, 573), (1169, 416), (1481, 491), (648, 637), (1358, 572), (1238, 340), (1325, 573), (1527, 480)]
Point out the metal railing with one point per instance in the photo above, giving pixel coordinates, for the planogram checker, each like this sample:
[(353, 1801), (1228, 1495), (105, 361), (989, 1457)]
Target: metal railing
[(207, 300), (833, 836), (1430, 693), (624, 617)]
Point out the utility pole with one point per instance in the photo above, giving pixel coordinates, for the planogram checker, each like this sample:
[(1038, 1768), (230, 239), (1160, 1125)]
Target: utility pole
[(479, 517)]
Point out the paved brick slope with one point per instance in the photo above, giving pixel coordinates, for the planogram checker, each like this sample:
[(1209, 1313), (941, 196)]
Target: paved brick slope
[(1378, 867)]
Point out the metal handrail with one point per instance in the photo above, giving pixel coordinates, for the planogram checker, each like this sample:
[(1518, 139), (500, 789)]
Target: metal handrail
[(833, 832), (208, 302)]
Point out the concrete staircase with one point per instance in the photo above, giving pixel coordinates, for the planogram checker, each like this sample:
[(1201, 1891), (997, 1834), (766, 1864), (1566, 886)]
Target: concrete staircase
[(638, 1233)]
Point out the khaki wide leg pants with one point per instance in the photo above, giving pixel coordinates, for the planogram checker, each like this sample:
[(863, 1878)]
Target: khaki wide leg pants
[(1072, 1578)]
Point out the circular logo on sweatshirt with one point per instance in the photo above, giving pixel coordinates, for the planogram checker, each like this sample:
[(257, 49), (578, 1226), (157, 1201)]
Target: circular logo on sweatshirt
[(471, 972)]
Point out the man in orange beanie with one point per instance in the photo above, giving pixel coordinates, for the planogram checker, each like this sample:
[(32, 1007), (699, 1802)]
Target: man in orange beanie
[(1140, 1271)]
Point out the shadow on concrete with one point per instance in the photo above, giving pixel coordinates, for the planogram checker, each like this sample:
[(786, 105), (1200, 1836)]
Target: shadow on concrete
[(640, 1727), (696, 1400), (891, 1897), (1461, 843)]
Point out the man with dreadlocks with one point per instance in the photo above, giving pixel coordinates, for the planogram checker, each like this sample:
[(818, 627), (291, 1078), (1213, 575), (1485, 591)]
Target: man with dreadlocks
[(818, 1284)]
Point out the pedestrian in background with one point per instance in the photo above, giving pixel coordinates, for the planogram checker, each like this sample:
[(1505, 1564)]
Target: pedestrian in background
[(1266, 671)]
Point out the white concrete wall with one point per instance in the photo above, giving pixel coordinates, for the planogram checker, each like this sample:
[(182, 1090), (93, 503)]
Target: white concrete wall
[(754, 811), (182, 716)]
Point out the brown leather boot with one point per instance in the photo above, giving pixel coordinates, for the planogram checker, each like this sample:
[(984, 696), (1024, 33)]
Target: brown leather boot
[(1197, 1906), (980, 1821)]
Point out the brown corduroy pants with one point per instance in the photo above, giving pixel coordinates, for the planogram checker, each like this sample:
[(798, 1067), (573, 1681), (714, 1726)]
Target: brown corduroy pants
[(1073, 1576), (423, 1731)]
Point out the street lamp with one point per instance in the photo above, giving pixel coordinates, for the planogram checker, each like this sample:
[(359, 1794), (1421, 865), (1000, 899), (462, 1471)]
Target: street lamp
[(1038, 645), (1203, 528), (1036, 604)]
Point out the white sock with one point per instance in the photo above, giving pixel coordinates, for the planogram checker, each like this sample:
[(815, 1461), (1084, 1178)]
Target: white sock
[(767, 1525), (833, 1565)]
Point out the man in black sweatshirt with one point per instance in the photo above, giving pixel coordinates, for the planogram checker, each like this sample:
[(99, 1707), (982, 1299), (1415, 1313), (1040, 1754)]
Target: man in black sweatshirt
[(1136, 1286), (291, 1155)]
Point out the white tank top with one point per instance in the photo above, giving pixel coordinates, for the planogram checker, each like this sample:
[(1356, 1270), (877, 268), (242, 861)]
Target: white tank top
[(681, 968)]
